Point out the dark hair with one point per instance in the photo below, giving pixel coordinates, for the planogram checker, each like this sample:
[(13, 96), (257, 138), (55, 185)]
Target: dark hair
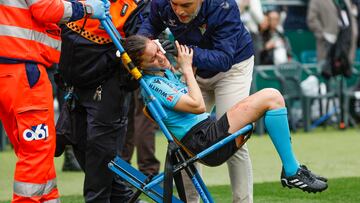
[(135, 47)]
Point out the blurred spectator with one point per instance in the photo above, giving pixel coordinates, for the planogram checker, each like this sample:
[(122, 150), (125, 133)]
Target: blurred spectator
[(295, 18), (276, 48), (264, 26), (282, 11), (323, 19), (356, 9), (140, 134), (251, 14)]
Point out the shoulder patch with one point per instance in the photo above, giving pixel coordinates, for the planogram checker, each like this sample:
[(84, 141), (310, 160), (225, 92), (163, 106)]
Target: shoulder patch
[(225, 5)]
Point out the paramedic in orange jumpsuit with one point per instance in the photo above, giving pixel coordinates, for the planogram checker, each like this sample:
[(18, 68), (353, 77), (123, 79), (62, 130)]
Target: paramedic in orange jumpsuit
[(29, 43)]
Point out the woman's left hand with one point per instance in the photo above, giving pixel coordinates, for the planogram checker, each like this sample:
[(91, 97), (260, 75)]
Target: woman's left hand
[(184, 58)]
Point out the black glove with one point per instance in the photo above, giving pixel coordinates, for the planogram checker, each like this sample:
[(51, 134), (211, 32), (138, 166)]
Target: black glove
[(168, 46), (59, 81)]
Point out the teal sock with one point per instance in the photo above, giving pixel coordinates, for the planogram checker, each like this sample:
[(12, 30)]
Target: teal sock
[(276, 123)]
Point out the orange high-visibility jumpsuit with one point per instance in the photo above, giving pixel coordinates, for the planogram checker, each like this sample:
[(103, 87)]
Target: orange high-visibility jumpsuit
[(28, 117), (30, 42)]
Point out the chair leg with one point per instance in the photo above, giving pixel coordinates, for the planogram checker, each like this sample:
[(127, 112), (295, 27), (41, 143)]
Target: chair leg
[(306, 103), (348, 119), (291, 119), (260, 128), (327, 105), (336, 113), (345, 108)]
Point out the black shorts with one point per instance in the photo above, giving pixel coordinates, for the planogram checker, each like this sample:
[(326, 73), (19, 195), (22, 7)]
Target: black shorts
[(207, 133)]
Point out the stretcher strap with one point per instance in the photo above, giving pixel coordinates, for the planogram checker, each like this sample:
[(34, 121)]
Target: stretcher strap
[(170, 161)]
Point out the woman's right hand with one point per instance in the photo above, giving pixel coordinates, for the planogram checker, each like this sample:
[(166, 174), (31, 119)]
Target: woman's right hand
[(184, 58), (192, 101)]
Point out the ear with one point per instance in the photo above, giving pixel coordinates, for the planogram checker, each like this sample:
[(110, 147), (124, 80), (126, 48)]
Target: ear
[(141, 65)]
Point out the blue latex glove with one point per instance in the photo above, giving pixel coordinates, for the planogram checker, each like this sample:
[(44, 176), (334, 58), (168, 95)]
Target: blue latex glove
[(100, 8)]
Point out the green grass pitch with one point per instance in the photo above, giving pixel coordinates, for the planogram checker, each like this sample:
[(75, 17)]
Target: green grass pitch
[(331, 153)]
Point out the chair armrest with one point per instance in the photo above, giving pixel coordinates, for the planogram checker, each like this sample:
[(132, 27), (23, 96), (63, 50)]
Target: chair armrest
[(261, 71)]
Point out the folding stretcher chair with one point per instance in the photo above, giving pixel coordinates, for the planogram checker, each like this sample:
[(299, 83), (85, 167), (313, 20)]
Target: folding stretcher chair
[(176, 160)]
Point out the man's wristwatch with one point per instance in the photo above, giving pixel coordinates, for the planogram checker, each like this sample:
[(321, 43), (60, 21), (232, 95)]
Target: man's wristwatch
[(88, 10)]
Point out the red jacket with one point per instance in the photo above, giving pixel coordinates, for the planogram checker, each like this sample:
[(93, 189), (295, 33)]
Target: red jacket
[(28, 30)]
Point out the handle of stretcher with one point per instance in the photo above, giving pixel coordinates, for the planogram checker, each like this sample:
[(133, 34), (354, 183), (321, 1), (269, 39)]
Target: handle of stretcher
[(130, 66), (115, 36)]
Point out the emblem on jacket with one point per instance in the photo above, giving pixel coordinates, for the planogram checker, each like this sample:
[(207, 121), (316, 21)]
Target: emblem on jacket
[(172, 23), (37, 132), (225, 5), (203, 28)]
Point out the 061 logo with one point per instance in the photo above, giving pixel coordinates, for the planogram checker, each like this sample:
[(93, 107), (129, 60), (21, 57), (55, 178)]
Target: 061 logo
[(38, 132)]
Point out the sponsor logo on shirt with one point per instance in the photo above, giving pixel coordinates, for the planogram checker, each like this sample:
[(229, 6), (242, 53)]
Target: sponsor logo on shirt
[(37, 132), (163, 80), (170, 98), (173, 86), (157, 81), (184, 91), (158, 90)]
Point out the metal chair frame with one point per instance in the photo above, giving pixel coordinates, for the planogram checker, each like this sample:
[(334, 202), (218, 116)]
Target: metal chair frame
[(151, 186)]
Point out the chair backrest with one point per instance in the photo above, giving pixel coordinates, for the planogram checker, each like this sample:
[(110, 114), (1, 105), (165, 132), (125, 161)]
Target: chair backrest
[(148, 114), (289, 76), (357, 56), (308, 56), (263, 77)]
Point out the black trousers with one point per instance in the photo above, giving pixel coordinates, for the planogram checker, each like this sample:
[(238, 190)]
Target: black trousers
[(99, 128), (141, 134)]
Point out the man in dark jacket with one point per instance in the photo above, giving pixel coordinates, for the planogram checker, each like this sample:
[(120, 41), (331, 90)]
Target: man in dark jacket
[(223, 56), (100, 90)]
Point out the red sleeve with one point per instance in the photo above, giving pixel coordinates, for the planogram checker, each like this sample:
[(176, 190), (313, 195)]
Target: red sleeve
[(50, 11)]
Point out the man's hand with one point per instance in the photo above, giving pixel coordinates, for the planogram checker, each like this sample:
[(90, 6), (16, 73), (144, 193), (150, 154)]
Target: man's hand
[(99, 8), (169, 47)]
